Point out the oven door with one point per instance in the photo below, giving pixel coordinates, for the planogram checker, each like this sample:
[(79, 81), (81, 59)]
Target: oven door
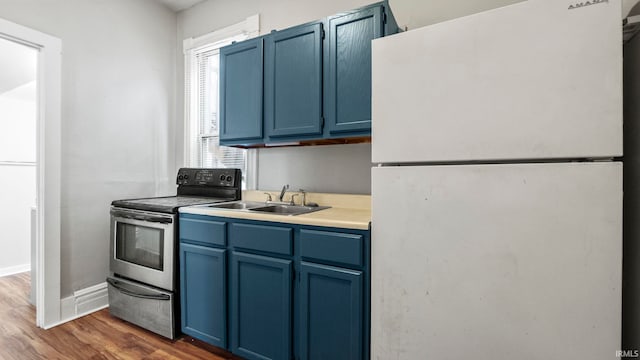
[(142, 246)]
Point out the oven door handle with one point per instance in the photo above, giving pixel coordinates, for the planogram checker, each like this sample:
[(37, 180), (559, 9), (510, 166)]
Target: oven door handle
[(122, 288), (148, 218)]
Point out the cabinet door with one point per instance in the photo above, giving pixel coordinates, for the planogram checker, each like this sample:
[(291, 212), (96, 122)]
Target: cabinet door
[(331, 311), (203, 293), (241, 91), (348, 100), (260, 307), (293, 82)]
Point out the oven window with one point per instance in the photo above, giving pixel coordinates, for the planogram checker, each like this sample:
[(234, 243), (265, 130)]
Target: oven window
[(140, 245)]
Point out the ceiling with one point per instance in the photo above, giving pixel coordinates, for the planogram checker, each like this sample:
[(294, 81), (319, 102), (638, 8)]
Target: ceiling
[(18, 65), (178, 5)]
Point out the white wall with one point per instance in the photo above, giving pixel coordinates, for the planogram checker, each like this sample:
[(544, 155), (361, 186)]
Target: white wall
[(15, 217), (18, 122), (118, 89), (330, 168), (17, 161), (315, 167), (17, 64)]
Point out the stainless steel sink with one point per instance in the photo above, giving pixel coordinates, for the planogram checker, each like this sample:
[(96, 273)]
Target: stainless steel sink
[(237, 205), (279, 209), (288, 209)]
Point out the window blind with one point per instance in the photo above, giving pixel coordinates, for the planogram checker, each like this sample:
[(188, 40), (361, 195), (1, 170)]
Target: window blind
[(211, 153)]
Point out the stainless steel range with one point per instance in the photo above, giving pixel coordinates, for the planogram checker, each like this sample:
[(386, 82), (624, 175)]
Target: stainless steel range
[(143, 281)]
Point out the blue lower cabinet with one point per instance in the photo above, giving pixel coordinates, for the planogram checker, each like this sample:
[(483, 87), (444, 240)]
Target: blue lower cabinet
[(261, 294), (203, 293), (331, 313)]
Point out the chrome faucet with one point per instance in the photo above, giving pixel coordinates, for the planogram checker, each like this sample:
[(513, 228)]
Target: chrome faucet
[(304, 197), (281, 197), (284, 189)]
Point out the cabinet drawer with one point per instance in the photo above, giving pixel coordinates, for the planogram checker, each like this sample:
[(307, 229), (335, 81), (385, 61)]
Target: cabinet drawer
[(273, 239), (203, 231), (331, 246)]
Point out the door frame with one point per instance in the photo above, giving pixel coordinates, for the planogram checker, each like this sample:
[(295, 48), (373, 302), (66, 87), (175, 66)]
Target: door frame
[(48, 161)]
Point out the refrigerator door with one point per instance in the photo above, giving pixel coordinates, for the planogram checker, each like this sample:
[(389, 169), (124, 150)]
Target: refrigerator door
[(517, 261), (539, 79)]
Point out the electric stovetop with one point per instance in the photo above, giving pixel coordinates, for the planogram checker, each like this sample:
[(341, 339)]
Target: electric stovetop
[(167, 204), (195, 187)]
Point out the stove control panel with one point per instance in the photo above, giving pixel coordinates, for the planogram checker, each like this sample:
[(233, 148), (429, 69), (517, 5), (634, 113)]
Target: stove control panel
[(209, 177)]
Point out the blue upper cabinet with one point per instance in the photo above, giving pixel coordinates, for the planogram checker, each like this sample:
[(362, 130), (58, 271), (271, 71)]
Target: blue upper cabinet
[(241, 77), (348, 99), (293, 82), (316, 86)]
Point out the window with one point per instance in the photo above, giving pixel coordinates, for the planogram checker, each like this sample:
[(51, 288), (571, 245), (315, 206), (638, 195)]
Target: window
[(210, 153), (202, 140)]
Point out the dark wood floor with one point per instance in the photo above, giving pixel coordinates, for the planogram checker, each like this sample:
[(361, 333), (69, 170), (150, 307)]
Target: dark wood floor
[(95, 336)]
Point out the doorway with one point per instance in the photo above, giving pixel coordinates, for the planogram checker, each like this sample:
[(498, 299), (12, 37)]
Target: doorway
[(18, 111), (47, 166)]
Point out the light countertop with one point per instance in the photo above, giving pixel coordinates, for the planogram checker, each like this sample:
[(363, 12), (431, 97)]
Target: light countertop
[(347, 211)]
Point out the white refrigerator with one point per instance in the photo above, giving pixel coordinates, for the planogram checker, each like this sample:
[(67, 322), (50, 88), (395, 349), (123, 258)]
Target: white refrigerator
[(496, 190)]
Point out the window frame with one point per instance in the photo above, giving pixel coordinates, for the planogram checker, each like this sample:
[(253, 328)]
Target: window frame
[(246, 29)]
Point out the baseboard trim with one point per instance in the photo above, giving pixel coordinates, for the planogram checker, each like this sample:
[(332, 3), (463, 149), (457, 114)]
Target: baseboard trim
[(11, 270), (83, 302)]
